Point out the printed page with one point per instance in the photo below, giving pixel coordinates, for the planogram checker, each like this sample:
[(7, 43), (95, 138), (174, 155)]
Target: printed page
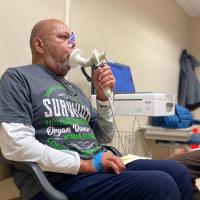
[(130, 157)]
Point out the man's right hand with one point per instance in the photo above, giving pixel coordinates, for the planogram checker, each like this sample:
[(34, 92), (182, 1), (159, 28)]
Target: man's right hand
[(110, 163)]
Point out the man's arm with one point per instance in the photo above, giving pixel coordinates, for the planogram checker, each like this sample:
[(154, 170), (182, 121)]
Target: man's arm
[(103, 126), (18, 143)]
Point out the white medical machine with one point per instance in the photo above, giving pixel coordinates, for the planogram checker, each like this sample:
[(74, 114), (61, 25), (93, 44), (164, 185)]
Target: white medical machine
[(142, 104)]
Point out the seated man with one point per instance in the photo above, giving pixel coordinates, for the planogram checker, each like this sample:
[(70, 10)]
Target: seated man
[(48, 120)]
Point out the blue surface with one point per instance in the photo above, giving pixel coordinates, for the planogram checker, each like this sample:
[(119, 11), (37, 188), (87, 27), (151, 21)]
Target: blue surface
[(124, 80), (195, 139)]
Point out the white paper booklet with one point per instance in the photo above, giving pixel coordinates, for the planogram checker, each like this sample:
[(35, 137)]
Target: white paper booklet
[(130, 157)]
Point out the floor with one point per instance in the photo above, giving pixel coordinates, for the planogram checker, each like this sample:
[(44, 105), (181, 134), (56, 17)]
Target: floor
[(8, 190)]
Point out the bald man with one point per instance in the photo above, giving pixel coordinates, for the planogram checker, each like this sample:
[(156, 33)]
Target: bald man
[(48, 120)]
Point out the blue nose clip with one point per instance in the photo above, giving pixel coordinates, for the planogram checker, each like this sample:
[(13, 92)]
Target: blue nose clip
[(71, 40)]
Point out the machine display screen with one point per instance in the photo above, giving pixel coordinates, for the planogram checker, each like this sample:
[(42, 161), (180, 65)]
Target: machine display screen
[(124, 80)]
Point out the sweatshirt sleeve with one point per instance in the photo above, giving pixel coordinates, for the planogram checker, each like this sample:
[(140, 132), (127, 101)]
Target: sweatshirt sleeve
[(18, 143), (103, 125)]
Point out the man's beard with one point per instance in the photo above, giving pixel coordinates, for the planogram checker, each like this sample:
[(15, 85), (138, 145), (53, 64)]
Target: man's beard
[(63, 64)]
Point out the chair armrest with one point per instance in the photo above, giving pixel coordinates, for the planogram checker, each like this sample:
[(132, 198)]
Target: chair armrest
[(32, 168), (113, 150)]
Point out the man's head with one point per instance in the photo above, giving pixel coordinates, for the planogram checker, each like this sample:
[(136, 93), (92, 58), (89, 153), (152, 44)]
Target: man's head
[(49, 44)]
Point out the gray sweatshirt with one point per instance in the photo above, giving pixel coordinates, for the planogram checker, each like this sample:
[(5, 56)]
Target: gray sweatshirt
[(48, 120)]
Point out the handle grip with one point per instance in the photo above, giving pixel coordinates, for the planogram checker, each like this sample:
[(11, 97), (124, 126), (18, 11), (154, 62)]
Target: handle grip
[(107, 92)]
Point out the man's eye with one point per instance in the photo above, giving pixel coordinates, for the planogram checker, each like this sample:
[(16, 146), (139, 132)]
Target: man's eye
[(64, 37)]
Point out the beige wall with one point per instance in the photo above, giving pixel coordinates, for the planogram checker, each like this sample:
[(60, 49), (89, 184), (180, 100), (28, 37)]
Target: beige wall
[(194, 49), (148, 35), (194, 33), (17, 19)]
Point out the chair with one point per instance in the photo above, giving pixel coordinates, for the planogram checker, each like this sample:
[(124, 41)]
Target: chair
[(32, 168)]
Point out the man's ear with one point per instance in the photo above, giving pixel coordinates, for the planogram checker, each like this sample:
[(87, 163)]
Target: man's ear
[(39, 45)]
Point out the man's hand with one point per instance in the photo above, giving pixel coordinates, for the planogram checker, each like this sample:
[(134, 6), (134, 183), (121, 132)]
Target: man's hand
[(103, 78), (110, 163)]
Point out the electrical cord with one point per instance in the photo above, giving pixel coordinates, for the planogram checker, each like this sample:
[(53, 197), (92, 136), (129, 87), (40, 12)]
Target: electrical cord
[(114, 122), (136, 118)]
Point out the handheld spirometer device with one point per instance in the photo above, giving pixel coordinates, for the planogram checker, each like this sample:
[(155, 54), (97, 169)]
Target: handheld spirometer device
[(96, 60)]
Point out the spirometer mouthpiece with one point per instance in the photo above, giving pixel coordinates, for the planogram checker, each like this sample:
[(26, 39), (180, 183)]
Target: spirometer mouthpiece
[(76, 59)]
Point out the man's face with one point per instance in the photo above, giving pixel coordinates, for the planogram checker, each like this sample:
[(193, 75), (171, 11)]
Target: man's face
[(56, 47)]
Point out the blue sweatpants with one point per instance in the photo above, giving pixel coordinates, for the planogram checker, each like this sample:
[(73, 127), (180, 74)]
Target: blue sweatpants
[(142, 180)]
